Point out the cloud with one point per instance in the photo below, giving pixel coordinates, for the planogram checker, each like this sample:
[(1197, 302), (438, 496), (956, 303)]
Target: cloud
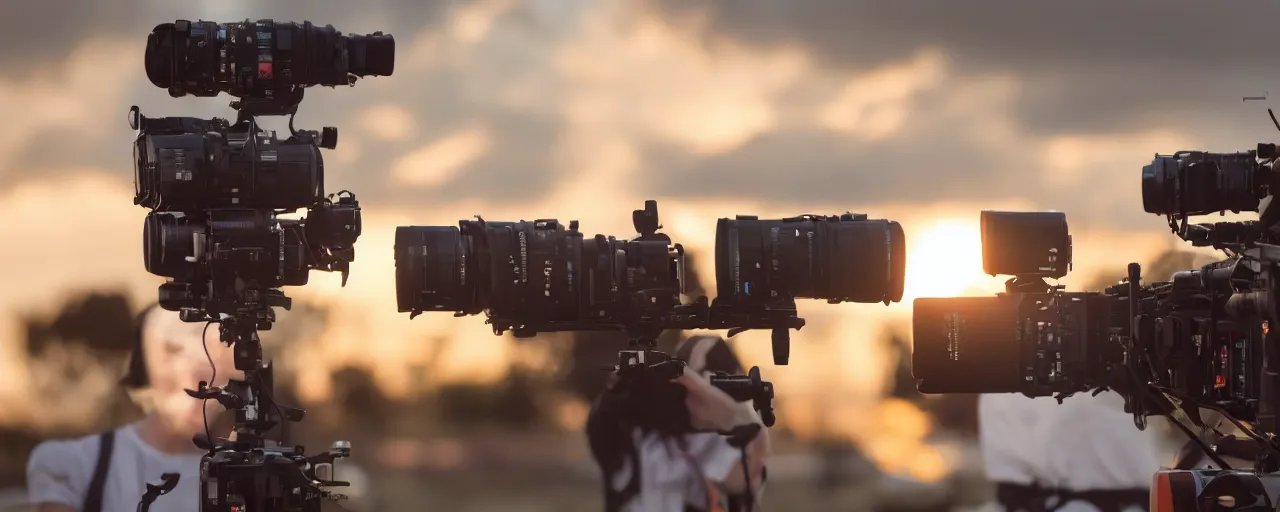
[(1090, 65), (436, 163), (581, 109), (386, 122)]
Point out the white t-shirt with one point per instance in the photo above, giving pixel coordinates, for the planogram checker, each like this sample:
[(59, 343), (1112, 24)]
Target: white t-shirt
[(60, 472), (1086, 443), (669, 479)]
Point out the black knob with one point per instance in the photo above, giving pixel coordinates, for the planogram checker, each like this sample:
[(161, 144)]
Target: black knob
[(329, 137), (768, 417), (1266, 150), (781, 346)]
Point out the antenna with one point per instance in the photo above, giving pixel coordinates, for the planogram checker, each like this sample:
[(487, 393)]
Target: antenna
[(1269, 111)]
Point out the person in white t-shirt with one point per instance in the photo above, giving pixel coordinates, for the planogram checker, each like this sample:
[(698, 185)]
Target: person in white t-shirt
[(1083, 455), (646, 470), (109, 472)]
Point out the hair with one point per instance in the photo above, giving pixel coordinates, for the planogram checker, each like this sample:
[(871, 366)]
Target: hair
[(717, 355), (136, 377)]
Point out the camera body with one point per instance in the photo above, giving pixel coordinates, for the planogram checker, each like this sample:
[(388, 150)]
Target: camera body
[(539, 276), (217, 193), (1200, 340), (1035, 338)]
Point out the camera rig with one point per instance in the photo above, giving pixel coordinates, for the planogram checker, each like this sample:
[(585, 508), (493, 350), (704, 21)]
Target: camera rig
[(218, 192), (539, 276), (1201, 340)]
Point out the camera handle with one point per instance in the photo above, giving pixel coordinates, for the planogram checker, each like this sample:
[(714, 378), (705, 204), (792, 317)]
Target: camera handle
[(169, 482)]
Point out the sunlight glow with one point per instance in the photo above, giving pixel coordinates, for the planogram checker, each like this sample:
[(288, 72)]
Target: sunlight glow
[(944, 259)]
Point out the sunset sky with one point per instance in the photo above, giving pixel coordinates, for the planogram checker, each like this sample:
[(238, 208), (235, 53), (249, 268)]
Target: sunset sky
[(921, 112)]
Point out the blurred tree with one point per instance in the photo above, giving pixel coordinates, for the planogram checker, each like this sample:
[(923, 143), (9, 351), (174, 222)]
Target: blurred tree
[(361, 400), (512, 402), (591, 354), (957, 413), (102, 322), (902, 383)]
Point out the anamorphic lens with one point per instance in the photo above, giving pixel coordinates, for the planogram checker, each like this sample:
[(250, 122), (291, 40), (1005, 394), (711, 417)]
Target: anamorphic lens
[(840, 259), (1025, 244), (167, 241), (1198, 183), (431, 270)]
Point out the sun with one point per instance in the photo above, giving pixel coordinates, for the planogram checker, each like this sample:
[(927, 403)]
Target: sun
[(943, 259)]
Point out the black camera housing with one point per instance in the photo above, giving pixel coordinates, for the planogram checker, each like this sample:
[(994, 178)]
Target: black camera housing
[(539, 276), (217, 192), (266, 63)]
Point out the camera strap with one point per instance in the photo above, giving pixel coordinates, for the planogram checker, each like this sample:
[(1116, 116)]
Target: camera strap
[(93, 499)]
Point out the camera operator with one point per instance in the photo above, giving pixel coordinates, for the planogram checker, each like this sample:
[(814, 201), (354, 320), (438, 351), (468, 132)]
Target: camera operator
[(649, 471), (1084, 455), (109, 471)]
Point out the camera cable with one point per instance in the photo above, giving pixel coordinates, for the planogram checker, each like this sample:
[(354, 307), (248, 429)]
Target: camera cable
[(739, 438), (204, 403)]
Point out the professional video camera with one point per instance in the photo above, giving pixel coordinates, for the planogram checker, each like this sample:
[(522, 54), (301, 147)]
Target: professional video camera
[(1039, 340), (218, 192), (531, 277), (1200, 340)]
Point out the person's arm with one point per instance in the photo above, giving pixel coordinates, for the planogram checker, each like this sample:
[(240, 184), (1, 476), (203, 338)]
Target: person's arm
[(56, 473), (713, 409)]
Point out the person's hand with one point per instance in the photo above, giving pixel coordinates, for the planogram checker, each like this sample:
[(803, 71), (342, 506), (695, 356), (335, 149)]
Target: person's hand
[(710, 408)]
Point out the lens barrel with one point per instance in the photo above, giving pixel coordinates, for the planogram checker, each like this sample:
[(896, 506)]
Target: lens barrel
[(167, 240), (1200, 183), (261, 59), (372, 55), (845, 259), (432, 270)]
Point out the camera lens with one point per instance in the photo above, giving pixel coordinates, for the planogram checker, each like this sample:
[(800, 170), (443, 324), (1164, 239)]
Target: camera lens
[(1198, 183), (373, 54), (840, 260), (966, 345), (197, 57), (159, 56), (431, 270), (1025, 244), (167, 241)]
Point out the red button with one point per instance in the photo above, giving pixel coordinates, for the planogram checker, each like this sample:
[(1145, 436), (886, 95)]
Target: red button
[(264, 70)]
